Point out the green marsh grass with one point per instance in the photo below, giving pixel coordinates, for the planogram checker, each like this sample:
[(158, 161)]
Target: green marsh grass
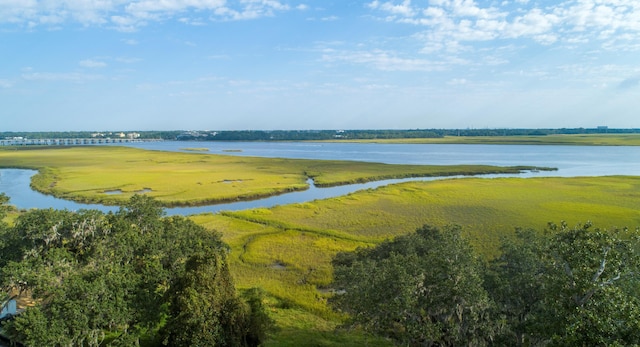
[(93, 173), (286, 250), (293, 267), (487, 207), (196, 149)]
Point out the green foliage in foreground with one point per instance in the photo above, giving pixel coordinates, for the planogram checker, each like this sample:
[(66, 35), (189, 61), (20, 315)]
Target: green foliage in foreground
[(576, 287), (122, 279), (421, 289)]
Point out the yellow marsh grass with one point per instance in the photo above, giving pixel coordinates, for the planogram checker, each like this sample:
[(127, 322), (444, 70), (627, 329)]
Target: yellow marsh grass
[(487, 208), (300, 328), (287, 249), (88, 174), (289, 264)]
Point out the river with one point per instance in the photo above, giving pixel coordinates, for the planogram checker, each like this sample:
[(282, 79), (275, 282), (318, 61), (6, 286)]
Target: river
[(571, 161)]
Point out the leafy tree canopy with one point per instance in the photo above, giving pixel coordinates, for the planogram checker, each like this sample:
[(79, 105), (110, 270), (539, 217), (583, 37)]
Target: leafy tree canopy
[(109, 279), (566, 286), (569, 286), (424, 288)]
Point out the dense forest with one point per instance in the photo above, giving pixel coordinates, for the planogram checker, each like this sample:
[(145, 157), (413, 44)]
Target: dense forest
[(301, 135), (128, 278)]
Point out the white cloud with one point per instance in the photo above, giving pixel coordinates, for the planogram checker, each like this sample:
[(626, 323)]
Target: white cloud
[(131, 42), (126, 60), (458, 82), (534, 24), (403, 9), (73, 77), (128, 15), (90, 63), (147, 8), (382, 60), (5, 83), (466, 22), (329, 18)]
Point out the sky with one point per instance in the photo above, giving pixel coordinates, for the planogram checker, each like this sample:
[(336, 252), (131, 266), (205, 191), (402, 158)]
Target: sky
[(100, 65)]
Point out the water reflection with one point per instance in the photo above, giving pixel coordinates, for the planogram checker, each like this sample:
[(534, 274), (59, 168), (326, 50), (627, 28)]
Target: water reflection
[(15, 183)]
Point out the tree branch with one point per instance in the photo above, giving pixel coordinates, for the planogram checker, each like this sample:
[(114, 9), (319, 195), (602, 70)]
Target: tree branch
[(603, 264)]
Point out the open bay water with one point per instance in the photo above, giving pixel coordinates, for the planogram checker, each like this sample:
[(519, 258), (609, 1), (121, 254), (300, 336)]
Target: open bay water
[(571, 161)]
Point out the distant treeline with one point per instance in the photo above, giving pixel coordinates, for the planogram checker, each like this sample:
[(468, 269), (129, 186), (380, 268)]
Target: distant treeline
[(301, 135)]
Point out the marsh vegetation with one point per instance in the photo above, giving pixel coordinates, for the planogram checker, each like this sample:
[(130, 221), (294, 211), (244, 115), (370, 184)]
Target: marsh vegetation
[(91, 174)]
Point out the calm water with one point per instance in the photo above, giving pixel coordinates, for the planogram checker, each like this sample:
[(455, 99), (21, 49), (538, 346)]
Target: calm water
[(570, 161)]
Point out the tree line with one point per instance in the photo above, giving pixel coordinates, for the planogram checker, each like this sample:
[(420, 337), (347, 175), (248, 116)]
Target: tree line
[(564, 287), (310, 135), (128, 278)]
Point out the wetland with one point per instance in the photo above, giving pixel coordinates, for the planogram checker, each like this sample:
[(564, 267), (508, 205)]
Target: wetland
[(570, 161)]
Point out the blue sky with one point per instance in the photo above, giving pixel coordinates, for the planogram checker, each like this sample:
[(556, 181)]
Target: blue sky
[(311, 64)]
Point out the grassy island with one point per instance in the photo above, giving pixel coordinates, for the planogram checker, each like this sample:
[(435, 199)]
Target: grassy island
[(111, 175)]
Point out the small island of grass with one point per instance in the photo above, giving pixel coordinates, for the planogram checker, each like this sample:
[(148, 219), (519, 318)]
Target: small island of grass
[(192, 149)]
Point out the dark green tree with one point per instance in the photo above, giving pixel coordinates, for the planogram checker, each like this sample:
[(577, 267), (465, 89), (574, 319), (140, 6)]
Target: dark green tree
[(422, 289), (120, 275), (568, 287), (4, 205), (204, 308), (515, 282), (4, 235), (592, 286), (258, 324)]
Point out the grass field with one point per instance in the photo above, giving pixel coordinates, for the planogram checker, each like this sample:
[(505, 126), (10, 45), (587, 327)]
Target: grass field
[(111, 175), (577, 140)]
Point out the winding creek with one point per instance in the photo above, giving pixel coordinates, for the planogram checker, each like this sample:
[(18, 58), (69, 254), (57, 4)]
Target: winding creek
[(571, 161)]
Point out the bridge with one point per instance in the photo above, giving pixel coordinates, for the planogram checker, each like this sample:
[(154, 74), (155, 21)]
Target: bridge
[(66, 142)]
